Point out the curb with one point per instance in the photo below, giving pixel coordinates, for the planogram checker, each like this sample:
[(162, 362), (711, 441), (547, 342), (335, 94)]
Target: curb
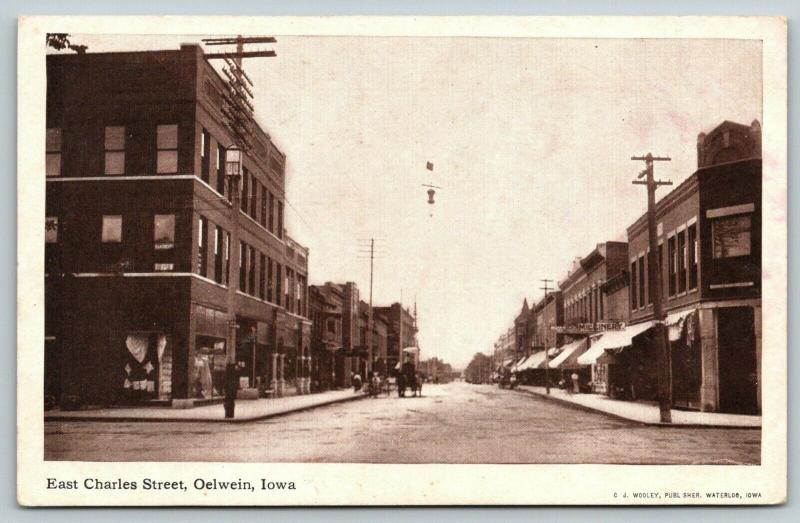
[(258, 417), (634, 421)]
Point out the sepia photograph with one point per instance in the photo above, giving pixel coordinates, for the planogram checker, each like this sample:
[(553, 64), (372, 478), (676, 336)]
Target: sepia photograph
[(266, 247)]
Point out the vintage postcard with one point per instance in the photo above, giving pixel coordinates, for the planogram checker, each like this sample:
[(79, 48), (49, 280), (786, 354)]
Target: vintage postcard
[(402, 261)]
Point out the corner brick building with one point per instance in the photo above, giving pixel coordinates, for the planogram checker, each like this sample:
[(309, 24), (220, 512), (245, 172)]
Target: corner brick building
[(138, 254)]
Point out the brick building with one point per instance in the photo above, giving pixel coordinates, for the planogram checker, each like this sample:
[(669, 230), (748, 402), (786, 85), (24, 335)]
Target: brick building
[(401, 331), (709, 256), (592, 304), (138, 253)]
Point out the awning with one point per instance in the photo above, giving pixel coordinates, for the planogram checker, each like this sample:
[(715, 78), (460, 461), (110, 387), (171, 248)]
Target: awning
[(411, 350), (517, 363), (568, 359), (533, 361), (613, 340), (675, 323)]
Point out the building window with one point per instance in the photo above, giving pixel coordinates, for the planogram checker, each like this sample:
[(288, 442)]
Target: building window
[(262, 277), (221, 170), (167, 149), (244, 199), (253, 198), (271, 217), (651, 266), (673, 264), (115, 150), (53, 152), (218, 254), (634, 295), (278, 283), (51, 229), (682, 257), (694, 247), (280, 219), (286, 288), (243, 267), (732, 236), (641, 281), (205, 155), (263, 213), (660, 263), (269, 281), (331, 325), (164, 231), (251, 273), (202, 246), (112, 229), (227, 258)]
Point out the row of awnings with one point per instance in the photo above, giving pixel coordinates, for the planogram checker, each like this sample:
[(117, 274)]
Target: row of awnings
[(587, 351)]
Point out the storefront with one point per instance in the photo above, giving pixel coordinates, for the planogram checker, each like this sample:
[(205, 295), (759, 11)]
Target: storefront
[(566, 364)]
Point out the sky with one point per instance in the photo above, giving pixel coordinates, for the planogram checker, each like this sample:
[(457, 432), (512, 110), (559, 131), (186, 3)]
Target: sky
[(530, 139)]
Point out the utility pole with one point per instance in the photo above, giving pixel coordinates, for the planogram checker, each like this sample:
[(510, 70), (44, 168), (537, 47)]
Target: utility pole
[(369, 319), (546, 289), (663, 357), (238, 114), (370, 250)]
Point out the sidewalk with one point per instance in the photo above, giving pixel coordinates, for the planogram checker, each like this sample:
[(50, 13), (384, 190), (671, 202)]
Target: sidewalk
[(643, 412), (246, 410)]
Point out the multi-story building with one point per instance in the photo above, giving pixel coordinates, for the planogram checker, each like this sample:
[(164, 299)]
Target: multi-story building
[(524, 330), (592, 297), (709, 257), (138, 237), (401, 331), (338, 304)]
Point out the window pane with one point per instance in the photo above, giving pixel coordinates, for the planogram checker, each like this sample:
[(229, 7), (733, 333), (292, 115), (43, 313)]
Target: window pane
[(164, 231), (167, 162), (731, 236), (53, 164), (115, 163), (167, 136), (51, 229), (115, 138), (112, 229), (53, 140)]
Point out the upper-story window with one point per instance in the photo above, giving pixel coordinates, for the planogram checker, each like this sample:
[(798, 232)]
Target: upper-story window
[(53, 152), (167, 145), (205, 155), (634, 294), (694, 251), (271, 215), (202, 246), (262, 217), (280, 219), (732, 235), (111, 231), (682, 261), (115, 150), (218, 254), (51, 229), (221, 169), (331, 325), (641, 281), (244, 199), (164, 231), (673, 265)]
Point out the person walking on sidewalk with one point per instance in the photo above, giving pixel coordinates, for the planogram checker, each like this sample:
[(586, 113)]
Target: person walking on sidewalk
[(576, 386), (356, 382)]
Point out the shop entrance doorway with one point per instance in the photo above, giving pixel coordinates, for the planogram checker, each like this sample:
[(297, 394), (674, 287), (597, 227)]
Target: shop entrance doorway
[(737, 360)]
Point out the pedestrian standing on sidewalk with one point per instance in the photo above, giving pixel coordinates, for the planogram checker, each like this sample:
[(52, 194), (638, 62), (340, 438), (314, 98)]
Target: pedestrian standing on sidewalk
[(356, 382), (576, 386)]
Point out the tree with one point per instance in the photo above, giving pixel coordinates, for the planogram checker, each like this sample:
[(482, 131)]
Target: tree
[(479, 369), (60, 41)]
